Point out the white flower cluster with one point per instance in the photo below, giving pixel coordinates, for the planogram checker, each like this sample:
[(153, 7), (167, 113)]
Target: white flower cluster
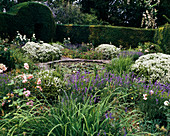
[(155, 66), (2, 68), (51, 82), (58, 46), (42, 52), (108, 51)]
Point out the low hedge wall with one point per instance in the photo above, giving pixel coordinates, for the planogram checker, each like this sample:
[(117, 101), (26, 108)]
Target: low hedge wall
[(98, 34)]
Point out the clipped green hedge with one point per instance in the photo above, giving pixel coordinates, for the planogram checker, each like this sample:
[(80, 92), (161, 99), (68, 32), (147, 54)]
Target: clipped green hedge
[(6, 25), (162, 37), (28, 18), (99, 34)]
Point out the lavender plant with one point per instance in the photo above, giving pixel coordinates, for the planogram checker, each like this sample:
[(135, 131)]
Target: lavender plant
[(134, 54)]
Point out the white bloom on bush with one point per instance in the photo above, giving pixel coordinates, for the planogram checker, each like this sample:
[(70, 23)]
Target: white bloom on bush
[(108, 51), (42, 52), (153, 67), (50, 79), (58, 46), (2, 68), (26, 66), (166, 103)]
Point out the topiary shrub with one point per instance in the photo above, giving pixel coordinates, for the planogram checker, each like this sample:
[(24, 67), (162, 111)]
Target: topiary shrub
[(28, 18), (153, 67), (52, 85), (108, 51), (41, 52)]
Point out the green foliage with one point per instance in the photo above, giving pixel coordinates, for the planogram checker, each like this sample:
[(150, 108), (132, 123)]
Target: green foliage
[(52, 84), (70, 117), (19, 60), (104, 34), (83, 54), (149, 47), (154, 107), (161, 37), (6, 57), (120, 65), (119, 13), (13, 57), (71, 14), (28, 18), (163, 10)]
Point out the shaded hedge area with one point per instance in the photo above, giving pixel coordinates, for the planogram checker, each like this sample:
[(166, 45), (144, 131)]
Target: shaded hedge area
[(6, 23), (98, 34), (162, 37), (28, 18)]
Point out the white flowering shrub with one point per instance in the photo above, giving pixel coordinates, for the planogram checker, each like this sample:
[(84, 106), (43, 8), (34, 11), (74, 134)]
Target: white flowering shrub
[(153, 67), (58, 46), (108, 51), (42, 52), (52, 83)]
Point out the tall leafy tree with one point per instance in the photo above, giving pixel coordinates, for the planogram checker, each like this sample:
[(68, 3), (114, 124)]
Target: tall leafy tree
[(163, 9), (116, 12)]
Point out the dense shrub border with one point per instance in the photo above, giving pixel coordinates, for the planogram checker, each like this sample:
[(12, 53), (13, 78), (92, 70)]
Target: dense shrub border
[(99, 34)]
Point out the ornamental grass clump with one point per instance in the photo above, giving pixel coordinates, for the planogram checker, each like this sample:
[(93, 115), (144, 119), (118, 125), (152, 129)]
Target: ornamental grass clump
[(108, 51), (120, 65), (153, 67), (41, 52)]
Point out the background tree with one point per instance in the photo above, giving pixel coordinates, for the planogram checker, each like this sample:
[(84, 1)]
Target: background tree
[(71, 14), (117, 12), (163, 9)]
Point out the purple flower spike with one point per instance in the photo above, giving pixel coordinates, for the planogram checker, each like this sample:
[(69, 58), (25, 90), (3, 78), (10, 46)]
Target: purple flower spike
[(106, 115)]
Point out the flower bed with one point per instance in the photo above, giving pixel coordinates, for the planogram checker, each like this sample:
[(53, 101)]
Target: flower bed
[(86, 99)]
